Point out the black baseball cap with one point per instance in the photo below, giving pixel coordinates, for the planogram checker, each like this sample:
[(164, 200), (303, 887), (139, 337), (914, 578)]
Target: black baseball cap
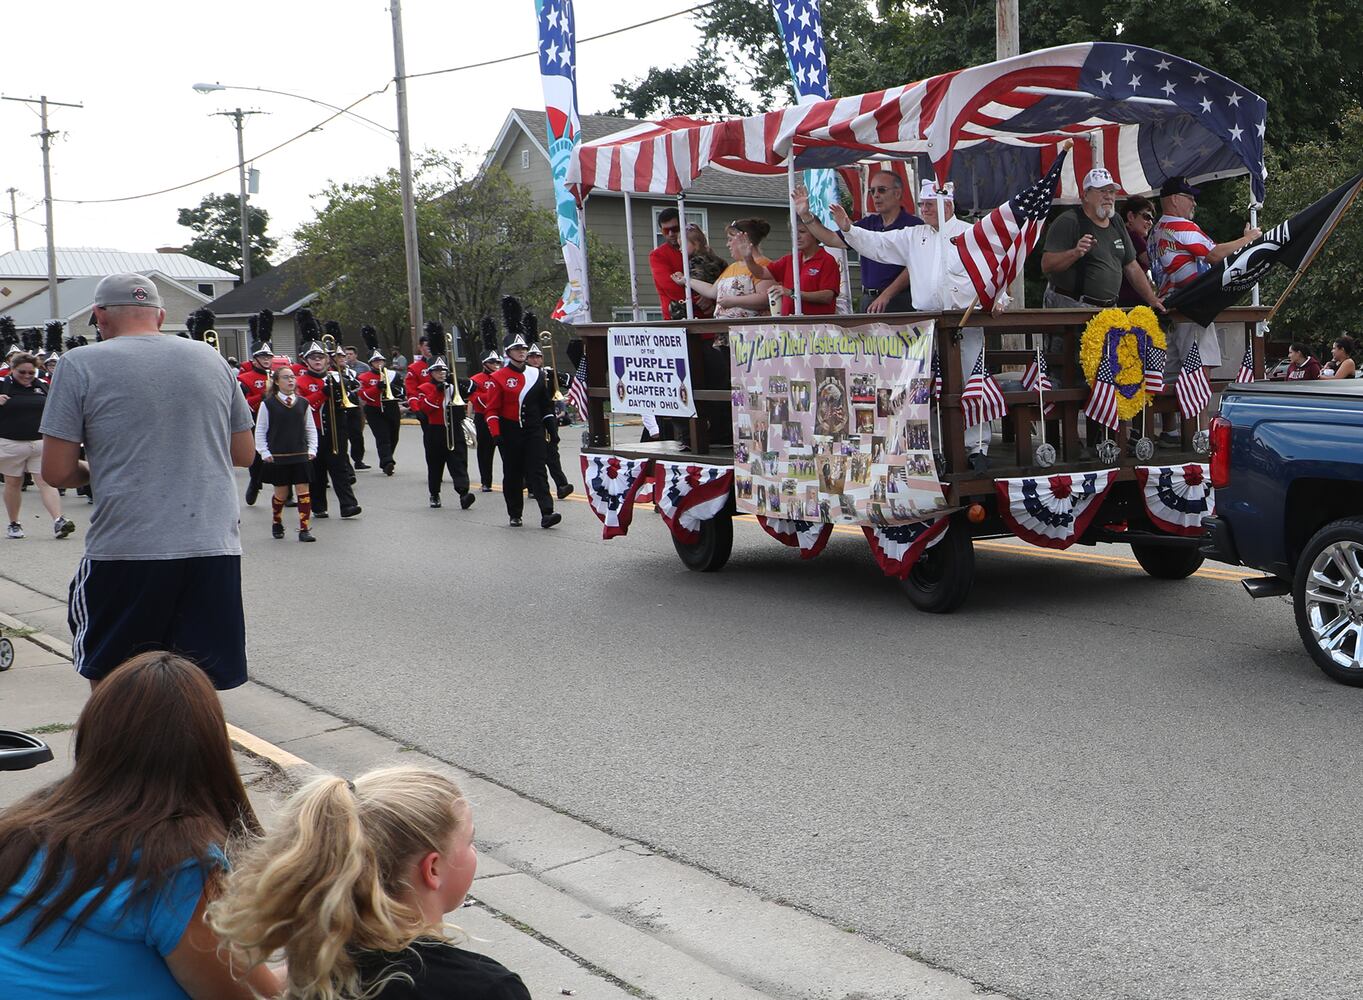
[(1178, 185)]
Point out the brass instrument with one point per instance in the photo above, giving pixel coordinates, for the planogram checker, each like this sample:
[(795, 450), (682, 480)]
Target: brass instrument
[(329, 344), (546, 339), (383, 373), (211, 339)]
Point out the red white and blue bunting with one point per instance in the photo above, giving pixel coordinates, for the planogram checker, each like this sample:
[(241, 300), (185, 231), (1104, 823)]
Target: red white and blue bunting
[(898, 547), (1052, 511), (809, 537), (1177, 497), (686, 495), (612, 485)]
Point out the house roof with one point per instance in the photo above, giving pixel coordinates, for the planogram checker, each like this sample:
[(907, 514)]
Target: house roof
[(85, 262), (282, 289), (76, 296), (712, 185)]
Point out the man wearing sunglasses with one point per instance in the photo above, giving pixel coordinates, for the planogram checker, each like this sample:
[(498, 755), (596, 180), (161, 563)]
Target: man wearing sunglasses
[(885, 287), (666, 261)]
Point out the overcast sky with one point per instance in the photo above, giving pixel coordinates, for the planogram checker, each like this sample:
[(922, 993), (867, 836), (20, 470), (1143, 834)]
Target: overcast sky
[(143, 128)]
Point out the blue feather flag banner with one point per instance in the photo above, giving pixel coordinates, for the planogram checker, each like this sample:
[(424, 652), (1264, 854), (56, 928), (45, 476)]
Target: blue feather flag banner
[(802, 35), (558, 74)]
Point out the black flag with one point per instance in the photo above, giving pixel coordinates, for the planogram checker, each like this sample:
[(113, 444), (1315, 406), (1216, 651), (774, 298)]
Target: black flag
[(1290, 244)]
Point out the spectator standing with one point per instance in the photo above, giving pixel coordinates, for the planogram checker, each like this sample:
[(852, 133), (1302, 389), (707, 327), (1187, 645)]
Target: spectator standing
[(1303, 368), (1139, 216), (1341, 360), (885, 287), (22, 398), (105, 874), (163, 422)]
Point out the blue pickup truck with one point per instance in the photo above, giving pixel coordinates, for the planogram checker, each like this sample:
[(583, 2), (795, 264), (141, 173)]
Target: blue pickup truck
[(1287, 466)]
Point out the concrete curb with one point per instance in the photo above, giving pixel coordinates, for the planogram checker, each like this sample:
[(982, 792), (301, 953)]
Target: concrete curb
[(633, 921)]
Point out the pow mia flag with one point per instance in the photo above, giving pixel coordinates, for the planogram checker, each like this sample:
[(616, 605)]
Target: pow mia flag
[(1290, 244)]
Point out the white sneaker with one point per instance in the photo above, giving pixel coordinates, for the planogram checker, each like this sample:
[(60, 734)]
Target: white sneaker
[(62, 527), (15, 530)]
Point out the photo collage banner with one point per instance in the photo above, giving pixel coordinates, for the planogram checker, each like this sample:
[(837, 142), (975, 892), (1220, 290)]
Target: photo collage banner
[(832, 424)]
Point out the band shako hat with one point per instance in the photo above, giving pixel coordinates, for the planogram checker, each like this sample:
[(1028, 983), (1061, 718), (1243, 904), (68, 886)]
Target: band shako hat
[(263, 329), (513, 317), (370, 336)]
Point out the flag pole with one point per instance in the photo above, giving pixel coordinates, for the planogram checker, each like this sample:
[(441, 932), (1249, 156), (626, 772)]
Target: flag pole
[(1306, 264)]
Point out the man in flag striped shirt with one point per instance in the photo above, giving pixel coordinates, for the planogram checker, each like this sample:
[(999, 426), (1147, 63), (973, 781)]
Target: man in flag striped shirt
[(1179, 252)]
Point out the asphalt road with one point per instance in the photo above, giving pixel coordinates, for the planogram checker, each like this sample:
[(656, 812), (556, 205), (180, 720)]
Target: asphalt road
[(1085, 784)]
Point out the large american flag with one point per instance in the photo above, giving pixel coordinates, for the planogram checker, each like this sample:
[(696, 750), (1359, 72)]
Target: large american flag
[(577, 388), (982, 399), (1193, 390), (1102, 404), (1247, 362), (1037, 377), (1154, 360), (993, 250)]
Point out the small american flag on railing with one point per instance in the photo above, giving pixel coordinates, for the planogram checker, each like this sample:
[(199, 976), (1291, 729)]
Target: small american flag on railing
[(577, 389)]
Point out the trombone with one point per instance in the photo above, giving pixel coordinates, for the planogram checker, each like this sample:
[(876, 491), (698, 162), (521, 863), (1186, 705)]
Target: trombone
[(211, 339), (546, 339)]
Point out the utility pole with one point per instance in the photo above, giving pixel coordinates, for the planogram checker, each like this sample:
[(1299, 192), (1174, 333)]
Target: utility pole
[(237, 115), (46, 136), (14, 216), (409, 237)]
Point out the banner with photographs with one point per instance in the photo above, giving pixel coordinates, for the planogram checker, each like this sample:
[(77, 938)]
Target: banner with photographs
[(831, 424)]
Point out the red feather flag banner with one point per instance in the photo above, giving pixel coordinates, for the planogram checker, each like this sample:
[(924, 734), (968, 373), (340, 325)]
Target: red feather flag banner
[(1177, 497), (809, 537), (1052, 511), (612, 485), (898, 547), (687, 495)]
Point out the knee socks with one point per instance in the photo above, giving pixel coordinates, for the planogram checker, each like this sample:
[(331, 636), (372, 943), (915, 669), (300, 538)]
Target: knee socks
[(304, 512), (277, 505)]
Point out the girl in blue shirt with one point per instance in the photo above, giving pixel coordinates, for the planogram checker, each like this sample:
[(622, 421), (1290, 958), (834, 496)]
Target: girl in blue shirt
[(105, 874)]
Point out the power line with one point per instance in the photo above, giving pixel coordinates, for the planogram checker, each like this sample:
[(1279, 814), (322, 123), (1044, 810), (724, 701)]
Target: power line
[(219, 173), (589, 38)]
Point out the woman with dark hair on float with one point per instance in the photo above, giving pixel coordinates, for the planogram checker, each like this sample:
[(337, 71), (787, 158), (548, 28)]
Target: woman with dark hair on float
[(1341, 363), (1304, 367), (105, 874)]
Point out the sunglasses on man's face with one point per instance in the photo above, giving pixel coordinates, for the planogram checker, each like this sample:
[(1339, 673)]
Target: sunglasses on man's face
[(881, 190), (671, 230)]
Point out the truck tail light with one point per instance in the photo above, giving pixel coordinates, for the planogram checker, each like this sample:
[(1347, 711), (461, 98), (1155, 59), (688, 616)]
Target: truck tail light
[(1220, 459)]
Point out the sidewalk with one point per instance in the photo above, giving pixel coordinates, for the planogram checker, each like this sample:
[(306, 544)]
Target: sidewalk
[(574, 910)]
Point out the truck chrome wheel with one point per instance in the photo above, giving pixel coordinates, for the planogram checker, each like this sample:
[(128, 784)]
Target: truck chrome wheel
[(1334, 603)]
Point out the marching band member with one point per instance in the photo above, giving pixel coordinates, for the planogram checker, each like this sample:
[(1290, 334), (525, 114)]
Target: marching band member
[(519, 411), (318, 386), (286, 438), (535, 358), (381, 393), (415, 376), (443, 431), (255, 381), (478, 404), (353, 415)]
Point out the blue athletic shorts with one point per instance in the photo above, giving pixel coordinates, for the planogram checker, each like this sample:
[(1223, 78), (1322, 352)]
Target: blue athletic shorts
[(191, 607)]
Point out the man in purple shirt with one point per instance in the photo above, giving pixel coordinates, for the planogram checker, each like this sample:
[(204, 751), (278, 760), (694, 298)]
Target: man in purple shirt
[(885, 287)]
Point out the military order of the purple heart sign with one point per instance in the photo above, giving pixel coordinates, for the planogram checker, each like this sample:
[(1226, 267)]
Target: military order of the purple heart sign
[(833, 424), (650, 371)]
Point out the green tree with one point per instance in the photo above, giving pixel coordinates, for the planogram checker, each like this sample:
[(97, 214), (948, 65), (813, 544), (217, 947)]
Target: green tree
[(216, 224), (480, 238), (701, 86)]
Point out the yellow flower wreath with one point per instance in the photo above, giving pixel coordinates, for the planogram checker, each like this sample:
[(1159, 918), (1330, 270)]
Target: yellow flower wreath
[(1128, 330)]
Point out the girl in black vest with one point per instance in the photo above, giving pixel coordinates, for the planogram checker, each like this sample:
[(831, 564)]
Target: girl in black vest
[(286, 438)]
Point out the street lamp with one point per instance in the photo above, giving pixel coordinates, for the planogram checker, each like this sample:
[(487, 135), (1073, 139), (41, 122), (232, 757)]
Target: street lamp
[(404, 164)]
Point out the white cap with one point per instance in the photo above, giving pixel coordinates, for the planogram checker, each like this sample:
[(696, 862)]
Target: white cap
[(1098, 178), (929, 192)]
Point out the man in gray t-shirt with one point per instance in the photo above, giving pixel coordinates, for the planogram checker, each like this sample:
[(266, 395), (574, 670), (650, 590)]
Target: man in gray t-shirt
[(163, 423)]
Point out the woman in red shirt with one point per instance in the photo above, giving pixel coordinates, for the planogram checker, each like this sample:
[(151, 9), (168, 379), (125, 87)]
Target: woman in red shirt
[(820, 276)]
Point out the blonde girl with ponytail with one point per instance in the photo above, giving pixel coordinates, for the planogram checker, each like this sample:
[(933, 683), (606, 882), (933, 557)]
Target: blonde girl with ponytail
[(351, 887)]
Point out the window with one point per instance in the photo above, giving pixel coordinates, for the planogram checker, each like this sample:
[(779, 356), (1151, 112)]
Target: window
[(206, 288), (694, 217), (525, 159), (623, 314)]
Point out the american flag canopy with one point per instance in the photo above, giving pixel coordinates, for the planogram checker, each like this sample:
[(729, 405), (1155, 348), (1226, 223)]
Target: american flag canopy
[(994, 249), (990, 129)]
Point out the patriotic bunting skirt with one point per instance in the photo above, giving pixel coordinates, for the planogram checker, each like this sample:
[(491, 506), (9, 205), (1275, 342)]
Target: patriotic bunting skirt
[(612, 485), (809, 537), (1177, 497), (898, 547), (1052, 511), (686, 495)]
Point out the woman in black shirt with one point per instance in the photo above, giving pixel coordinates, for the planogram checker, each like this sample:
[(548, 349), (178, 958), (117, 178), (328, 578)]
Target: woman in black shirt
[(351, 889), (22, 398)]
